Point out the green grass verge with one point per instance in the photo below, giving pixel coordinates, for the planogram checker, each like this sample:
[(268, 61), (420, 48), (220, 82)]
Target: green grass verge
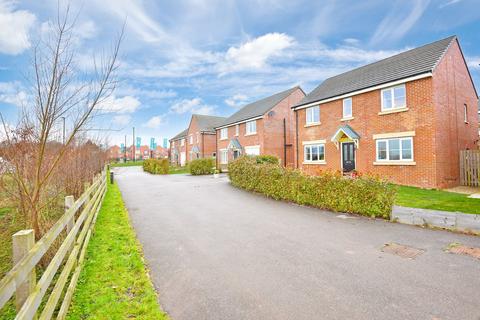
[(436, 200), (114, 283), (178, 170), (127, 164)]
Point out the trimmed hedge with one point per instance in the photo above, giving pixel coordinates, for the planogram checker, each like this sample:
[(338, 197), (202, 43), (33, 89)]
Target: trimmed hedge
[(202, 166), (267, 159), (156, 166), (365, 195)]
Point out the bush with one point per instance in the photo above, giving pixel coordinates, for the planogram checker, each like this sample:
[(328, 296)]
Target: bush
[(156, 166), (202, 166), (365, 195), (267, 159)]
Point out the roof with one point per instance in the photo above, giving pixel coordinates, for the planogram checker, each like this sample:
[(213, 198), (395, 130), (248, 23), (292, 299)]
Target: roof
[(348, 131), (410, 63), (258, 108), (234, 144), (208, 123), (182, 134)]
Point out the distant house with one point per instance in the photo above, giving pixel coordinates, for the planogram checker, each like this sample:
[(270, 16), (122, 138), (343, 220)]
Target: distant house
[(178, 149), (114, 153), (201, 136), (265, 126), (404, 118)]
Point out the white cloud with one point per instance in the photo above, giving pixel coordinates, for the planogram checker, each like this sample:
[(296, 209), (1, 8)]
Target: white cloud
[(448, 3), (473, 62), (351, 41), (236, 100), (194, 105), (396, 24), (14, 28), (255, 54), (122, 119), (13, 93), (126, 104), (154, 122)]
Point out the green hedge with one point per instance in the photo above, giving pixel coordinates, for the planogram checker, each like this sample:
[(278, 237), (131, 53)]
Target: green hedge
[(156, 166), (365, 195), (202, 166)]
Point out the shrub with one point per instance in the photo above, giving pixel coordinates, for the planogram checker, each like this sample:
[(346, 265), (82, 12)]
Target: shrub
[(267, 159), (156, 166), (366, 195), (202, 166)]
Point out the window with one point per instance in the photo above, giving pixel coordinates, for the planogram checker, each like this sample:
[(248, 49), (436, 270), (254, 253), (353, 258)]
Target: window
[(182, 142), (224, 156), (465, 113), (251, 127), (173, 144), (347, 108), (394, 98), (198, 137), (223, 133), (314, 152), (190, 139), (252, 150), (395, 149), (313, 115), (237, 129)]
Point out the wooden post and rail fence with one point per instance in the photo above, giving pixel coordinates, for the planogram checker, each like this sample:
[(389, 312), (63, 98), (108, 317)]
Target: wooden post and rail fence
[(470, 168), (21, 281)]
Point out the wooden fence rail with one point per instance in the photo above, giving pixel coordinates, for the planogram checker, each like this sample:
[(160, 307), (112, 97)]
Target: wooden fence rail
[(470, 168), (20, 280)]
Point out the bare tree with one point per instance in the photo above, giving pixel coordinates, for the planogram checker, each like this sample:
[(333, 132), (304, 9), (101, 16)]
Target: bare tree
[(60, 94)]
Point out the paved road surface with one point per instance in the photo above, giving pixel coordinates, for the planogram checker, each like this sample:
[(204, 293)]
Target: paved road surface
[(216, 252)]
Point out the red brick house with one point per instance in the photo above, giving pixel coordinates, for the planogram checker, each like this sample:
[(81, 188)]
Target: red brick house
[(405, 118), (115, 153), (265, 126), (178, 149), (201, 136)]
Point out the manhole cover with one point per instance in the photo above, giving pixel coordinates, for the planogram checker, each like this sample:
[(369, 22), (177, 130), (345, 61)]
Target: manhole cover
[(402, 251), (461, 249)]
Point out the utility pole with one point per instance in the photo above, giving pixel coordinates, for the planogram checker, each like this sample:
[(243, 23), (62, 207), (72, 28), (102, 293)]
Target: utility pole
[(133, 145), (63, 118)]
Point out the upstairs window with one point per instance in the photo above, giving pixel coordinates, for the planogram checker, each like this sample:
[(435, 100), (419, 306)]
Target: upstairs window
[(465, 113), (313, 115), (237, 129), (251, 127), (394, 98), (223, 133), (190, 138), (182, 142), (347, 108)]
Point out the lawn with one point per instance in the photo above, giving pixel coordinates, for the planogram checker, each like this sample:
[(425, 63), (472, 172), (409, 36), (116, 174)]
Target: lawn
[(436, 199), (127, 164), (114, 283)]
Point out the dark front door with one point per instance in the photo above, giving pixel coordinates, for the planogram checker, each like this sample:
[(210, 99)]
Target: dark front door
[(348, 156), (236, 154)]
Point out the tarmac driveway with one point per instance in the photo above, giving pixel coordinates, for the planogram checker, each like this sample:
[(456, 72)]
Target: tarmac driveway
[(217, 252)]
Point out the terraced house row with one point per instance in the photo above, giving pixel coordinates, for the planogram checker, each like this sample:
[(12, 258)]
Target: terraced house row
[(405, 118)]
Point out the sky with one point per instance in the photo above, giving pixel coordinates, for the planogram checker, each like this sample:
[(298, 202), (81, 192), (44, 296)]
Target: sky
[(212, 57)]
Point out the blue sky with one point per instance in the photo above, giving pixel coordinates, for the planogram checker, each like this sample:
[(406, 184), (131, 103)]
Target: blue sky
[(192, 56)]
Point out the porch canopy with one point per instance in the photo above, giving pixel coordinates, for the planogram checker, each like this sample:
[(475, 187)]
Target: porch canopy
[(346, 133), (234, 145)]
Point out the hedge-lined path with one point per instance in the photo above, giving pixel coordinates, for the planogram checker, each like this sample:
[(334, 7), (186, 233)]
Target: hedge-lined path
[(217, 252)]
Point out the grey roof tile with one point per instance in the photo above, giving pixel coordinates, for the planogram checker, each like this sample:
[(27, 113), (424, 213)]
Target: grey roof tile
[(182, 134), (403, 65), (208, 123), (257, 108)]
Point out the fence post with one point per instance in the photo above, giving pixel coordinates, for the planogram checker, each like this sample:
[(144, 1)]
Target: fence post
[(69, 201), (23, 241)]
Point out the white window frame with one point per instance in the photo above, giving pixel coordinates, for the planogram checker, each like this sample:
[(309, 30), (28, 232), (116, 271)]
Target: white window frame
[(392, 93), (387, 141), (248, 150), (190, 139), (248, 127), (311, 146), (198, 137), (237, 130), (182, 142), (223, 154), (311, 111), (347, 116), (224, 134), (465, 113)]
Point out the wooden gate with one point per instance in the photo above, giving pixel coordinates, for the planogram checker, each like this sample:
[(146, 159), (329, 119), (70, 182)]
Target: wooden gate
[(470, 168)]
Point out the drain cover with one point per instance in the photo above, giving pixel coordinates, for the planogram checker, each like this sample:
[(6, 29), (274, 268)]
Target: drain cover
[(461, 249), (402, 251)]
